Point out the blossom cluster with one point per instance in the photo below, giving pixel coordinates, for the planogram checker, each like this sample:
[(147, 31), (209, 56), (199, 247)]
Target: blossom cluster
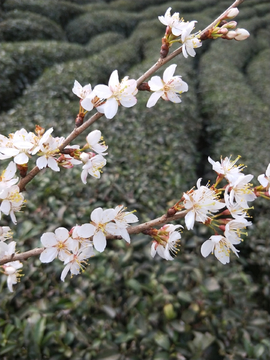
[(205, 203), (12, 268), (76, 246), (224, 210), (177, 28), (107, 98), (227, 29), (22, 145), (11, 199)]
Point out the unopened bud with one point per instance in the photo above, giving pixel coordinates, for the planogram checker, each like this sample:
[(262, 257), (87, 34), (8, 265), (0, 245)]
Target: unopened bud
[(223, 31), (231, 35), (232, 13), (241, 34), (39, 130), (230, 25), (79, 119)]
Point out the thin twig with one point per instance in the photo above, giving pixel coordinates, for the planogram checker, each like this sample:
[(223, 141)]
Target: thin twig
[(77, 131), (131, 230)]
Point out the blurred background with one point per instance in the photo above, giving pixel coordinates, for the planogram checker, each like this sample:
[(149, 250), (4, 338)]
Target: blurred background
[(126, 305)]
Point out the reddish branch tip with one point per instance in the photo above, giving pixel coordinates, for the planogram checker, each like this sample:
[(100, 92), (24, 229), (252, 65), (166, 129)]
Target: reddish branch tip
[(144, 87), (171, 212), (79, 119)]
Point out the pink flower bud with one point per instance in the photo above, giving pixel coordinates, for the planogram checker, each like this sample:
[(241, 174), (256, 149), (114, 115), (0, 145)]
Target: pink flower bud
[(231, 35), (232, 13), (223, 31), (241, 34), (230, 25)]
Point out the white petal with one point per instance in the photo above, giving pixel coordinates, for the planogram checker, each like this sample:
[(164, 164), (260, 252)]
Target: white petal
[(103, 91), (53, 164), (21, 158), (86, 230), (128, 101), (154, 98), (96, 215), (189, 220), (108, 215), (48, 255), (87, 104), (65, 271), (221, 256), (61, 234), (48, 239), (114, 80), (110, 108), (153, 249), (42, 162), (99, 241), (168, 73), (263, 180), (206, 248), (155, 83), (173, 97)]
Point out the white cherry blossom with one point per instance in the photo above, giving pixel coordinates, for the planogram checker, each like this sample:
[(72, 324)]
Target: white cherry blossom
[(117, 93), (264, 179), (5, 233), (227, 168), (233, 229), (236, 211), (201, 203), (92, 165), (48, 149), (94, 140), (7, 177), (189, 41), (241, 192), (98, 228), (19, 146), (81, 91), (121, 222), (166, 241), (174, 22), (56, 244), (12, 270), (220, 246), (74, 262), (169, 88), (12, 201)]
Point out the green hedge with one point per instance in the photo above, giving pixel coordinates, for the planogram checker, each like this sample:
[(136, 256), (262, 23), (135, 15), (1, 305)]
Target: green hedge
[(59, 11), (28, 29), (84, 27), (21, 63), (126, 305)]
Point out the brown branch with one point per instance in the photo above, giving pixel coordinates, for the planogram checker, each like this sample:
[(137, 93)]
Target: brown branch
[(161, 61), (131, 230), (77, 131), (21, 256)]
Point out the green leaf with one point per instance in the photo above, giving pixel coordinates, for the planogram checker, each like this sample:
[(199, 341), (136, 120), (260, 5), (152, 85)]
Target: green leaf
[(258, 350), (162, 340)]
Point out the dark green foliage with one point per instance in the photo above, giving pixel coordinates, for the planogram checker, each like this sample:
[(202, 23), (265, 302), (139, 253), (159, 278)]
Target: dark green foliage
[(84, 27), (126, 305), (59, 11), (30, 29), (21, 63)]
